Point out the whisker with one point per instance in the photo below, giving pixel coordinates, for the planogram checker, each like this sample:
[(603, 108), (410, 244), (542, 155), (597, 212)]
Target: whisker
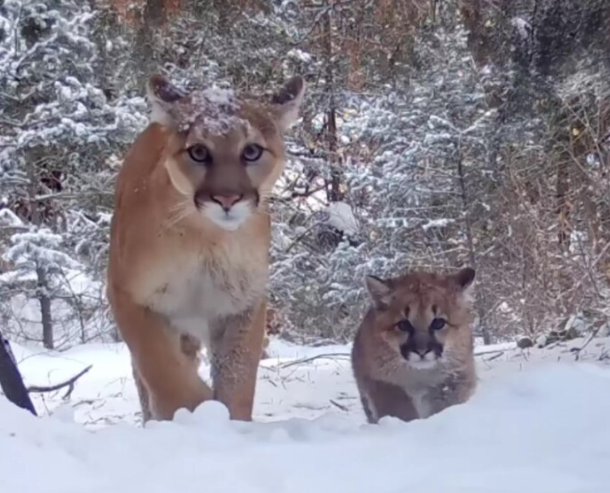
[(179, 206), (178, 212), (264, 197), (179, 218)]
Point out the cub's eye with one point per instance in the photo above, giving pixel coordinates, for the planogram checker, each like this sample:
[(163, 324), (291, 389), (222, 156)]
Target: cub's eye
[(437, 324), (199, 153), (404, 326), (252, 152)]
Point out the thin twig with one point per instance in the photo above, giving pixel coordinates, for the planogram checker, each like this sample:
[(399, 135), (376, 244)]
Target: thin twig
[(586, 343), (340, 406), (482, 350), (313, 358), (68, 383), (495, 356)]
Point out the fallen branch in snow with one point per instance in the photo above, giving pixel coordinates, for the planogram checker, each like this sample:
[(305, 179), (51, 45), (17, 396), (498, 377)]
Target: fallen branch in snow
[(495, 356), (313, 358), (340, 406), (585, 344), (68, 383), (481, 350)]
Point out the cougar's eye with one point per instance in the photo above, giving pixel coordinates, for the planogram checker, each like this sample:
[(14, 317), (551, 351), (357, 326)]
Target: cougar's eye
[(404, 326), (199, 153), (437, 324), (252, 152)]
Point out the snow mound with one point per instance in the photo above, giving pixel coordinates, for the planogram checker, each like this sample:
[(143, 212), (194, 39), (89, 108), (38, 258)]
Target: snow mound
[(536, 431)]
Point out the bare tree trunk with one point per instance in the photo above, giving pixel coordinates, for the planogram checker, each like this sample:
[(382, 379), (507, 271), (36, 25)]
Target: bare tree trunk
[(223, 9), (152, 18), (42, 288), (45, 309), (562, 156), (333, 188), (472, 258), (563, 208), (11, 381)]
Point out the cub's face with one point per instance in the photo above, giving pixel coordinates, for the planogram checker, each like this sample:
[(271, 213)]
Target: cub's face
[(422, 316), (225, 153)]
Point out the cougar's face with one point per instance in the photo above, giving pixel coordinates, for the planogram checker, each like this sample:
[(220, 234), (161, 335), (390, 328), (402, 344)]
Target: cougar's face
[(420, 334), (226, 153), (229, 176), (420, 314)]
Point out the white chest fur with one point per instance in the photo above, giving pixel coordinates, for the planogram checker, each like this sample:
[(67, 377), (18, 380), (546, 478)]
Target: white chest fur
[(417, 382), (193, 292)]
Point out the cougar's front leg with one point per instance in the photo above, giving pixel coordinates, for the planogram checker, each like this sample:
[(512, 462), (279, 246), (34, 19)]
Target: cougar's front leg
[(142, 394), (381, 399), (166, 373), (236, 352), (455, 390)]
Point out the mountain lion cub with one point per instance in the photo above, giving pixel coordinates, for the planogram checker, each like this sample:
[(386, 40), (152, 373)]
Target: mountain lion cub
[(189, 243), (413, 353)]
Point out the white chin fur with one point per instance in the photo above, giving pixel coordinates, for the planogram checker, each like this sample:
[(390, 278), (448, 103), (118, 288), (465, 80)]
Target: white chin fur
[(231, 220), (427, 363)]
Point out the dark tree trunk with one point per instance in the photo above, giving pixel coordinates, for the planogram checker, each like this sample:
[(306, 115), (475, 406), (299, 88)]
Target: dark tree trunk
[(472, 256), (151, 21), (10, 378), (45, 310), (333, 188)]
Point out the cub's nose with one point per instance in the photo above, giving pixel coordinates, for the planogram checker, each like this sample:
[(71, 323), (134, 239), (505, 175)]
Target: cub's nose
[(410, 352), (422, 352), (227, 201)]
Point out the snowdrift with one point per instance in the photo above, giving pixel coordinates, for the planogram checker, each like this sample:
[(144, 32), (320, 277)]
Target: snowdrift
[(540, 430)]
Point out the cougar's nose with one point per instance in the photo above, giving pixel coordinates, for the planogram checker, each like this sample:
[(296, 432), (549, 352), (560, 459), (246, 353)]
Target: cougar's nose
[(422, 352), (227, 201)]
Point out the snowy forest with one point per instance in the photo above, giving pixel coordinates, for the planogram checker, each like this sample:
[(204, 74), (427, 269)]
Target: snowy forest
[(435, 134)]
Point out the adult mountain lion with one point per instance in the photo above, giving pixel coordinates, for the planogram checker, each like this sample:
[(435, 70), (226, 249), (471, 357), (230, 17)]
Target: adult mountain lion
[(189, 243)]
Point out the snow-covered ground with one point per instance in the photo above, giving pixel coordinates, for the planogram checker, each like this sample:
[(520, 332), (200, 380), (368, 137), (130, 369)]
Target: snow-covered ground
[(538, 423)]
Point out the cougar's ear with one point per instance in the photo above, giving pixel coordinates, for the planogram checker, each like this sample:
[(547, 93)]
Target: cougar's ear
[(163, 95), (380, 291), (286, 103), (464, 278)]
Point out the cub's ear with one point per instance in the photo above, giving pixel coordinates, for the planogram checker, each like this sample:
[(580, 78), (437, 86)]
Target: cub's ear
[(380, 291), (286, 103), (163, 95), (464, 279)]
